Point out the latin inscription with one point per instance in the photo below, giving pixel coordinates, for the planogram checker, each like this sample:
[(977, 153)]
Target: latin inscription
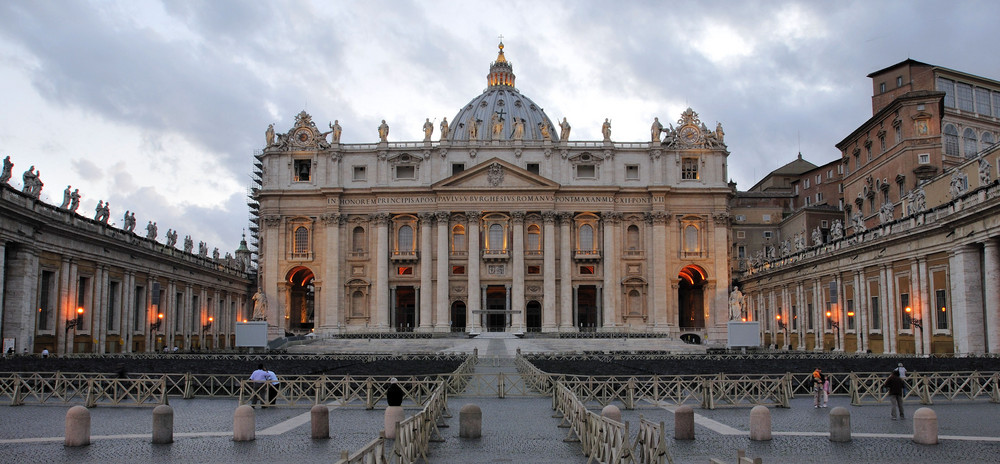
[(486, 199)]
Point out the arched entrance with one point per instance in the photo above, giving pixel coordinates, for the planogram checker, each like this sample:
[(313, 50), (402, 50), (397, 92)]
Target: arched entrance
[(533, 316), (458, 316), (691, 297), (301, 304)]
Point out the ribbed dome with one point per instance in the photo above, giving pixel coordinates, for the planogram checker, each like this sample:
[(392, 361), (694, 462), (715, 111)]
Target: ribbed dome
[(502, 99)]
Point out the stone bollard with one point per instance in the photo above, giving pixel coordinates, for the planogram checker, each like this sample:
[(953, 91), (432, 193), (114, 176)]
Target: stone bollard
[(244, 424), (612, 412), (470, 421), (77, 426), (163, 424), (320, 416), (393, 416), (760, 423), (925, 427), (684, 423), (840, 425)]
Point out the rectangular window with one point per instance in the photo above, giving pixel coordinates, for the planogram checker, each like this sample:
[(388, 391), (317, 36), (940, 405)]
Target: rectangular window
[(983, 101), (404, 270), (881, 87), (533, 168), (810, 317), (534, 270), (741, 217), (767, 235), (948, 87), (963, 97), (46, 299), (302, 168), (741, 252), (82, 297), (876, 314), (586, 171), (178, 310), (906, 317), (808, 200), (899, 133), (458, 270), (631, 172), (941, 309), (996, 104), (360, 174), (796, 189), (138, 307), (824, 224), (829, 174), (868, 151), (881, 142), (689, 169), (586, 270), (807, 184), (819, 178), (819, 197), (741, 234), (766, 218), (850, 315), (924, 158), (406, 172), (457, 168), (111, 315), (899, 81)]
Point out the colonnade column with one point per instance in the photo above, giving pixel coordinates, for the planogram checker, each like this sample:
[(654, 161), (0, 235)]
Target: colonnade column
[(549, 271), (889, 314), (802, 324), (819, 313), (426, 274), (566, 303), (966, 293), (517, 292), (610, 258), (475, 293), (381, 310), (860, 311), (327, 310), (443, 308), (991, 281), (926, 322), (662, 303)]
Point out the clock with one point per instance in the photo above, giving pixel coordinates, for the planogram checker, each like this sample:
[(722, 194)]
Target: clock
[(688, 134)]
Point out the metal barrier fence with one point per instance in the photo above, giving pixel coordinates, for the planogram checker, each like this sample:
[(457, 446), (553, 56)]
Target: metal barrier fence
[(602, 439)]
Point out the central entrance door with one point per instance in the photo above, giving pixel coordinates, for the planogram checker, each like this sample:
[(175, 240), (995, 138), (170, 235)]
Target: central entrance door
[(497, 318), (406, 314), (586, 308)]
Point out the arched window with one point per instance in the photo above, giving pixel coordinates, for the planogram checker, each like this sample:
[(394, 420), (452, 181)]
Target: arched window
[(987, 140), (404, 239), (632, 238), (586, 237), (358, 239), (301, 244), (534, 238), (495, 239), (950, 140), (969, 143), (691, 238), (458, 238)]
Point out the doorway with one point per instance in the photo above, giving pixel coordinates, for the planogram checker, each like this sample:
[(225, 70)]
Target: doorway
[(497, 317), (405, 317), (691, 297)]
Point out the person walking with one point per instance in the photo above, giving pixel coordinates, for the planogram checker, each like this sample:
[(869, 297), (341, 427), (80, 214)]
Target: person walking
[(895, 386), (819, 389)]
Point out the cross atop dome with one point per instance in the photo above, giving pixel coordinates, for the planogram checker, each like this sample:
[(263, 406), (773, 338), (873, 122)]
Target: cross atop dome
[(501, 71)]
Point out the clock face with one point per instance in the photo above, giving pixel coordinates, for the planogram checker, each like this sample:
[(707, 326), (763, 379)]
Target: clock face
[(688, 134), (302, 136)]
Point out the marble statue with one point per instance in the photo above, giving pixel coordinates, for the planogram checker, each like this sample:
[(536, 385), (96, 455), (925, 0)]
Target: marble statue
[(606, 129), (67, 195), (151, 230), (171, 238), (32, 183), (188, 244), (497, 124), (202, 249), (444, 128), (719, 134), (518, 128), (736, 304), (656, 130), (8, 168), (74, 200), (99, 210), (473, 128), (335, 130), (269, 135), (428, 130), (259, 306), (383, 131), (215, 254), (544, 129), (858, 222), (886, 213), (817, 236), (837, 231), (564, 130), (985, 172), (128, 221)]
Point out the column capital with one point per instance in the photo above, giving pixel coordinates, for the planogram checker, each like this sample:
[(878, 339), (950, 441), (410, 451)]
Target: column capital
[(565, 217), (443, 216), (611, 217), (517, 217), (549, 217), (331, 218), (473, 216), (426, 217), (379, 218), (657, 217)]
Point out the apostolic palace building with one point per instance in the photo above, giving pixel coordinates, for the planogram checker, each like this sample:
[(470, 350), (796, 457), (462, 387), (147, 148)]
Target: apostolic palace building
[(498, 220)]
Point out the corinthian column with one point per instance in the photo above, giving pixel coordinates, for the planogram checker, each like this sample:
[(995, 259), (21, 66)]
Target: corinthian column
[(549, 268), (611, 291), (426, 295), (475, 303), (381, 270), (517, 297), (443, 309), (565, 273)]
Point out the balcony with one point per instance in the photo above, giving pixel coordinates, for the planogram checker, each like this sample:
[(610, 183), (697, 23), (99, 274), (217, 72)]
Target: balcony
[(304, 256), (533, 253), (405, 256), (357, 255), (496, 255), (633, 254), (587, 256)]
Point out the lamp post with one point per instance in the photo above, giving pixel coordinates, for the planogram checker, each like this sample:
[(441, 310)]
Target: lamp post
[(916, 323), (206, 328), (74, 323), (153, 328), (835, 325), (783, 327)]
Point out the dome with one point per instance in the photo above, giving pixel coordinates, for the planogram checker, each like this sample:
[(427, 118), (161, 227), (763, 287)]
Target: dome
[(502, 101)]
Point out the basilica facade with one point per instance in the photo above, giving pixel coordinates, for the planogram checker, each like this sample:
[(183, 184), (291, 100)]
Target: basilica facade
[(498, 220)]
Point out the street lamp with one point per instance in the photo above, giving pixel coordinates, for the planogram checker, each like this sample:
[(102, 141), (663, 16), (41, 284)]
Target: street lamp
[(784, 328), (154, 326), (835, 325), (208, 325), (75, 322), (914, 322)]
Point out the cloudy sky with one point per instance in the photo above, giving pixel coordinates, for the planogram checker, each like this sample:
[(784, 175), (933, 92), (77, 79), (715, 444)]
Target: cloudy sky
[(158, 107)]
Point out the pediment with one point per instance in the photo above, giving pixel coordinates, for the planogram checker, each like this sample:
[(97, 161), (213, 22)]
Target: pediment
[(495, 174)]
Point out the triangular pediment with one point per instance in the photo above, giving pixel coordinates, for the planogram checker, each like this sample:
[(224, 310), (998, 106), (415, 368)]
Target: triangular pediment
[(498, 174)]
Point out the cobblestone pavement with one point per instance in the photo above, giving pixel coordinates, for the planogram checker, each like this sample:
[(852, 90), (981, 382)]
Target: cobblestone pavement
[(515, 429)]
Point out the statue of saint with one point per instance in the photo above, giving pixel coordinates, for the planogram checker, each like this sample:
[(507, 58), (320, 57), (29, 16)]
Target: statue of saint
[(335, 130), (151, 230), (269, 135), (564, 130), (444, 128), (171, 238), (736, 304), (259, 306), (428, 130), (719, 134), (99, 210), (28, 178), (383, 131), (66, 197), (544, 128), (188, 244), (606, 129), (518, 128), (74, 200), (497, 124), (656, 130), (8, 167), (473, 128)]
